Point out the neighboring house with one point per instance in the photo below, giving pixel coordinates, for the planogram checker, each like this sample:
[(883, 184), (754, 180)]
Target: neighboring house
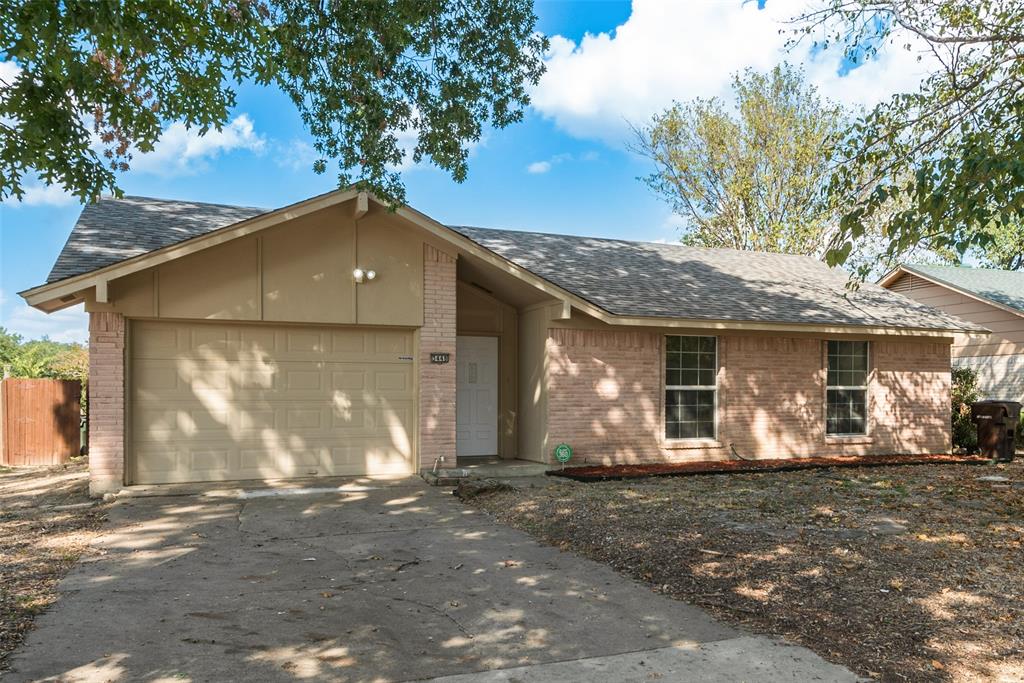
[(988, 297), (232, 343)]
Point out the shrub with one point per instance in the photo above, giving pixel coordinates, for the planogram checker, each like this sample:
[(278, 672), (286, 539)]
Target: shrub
[(965, 392), (1019, 445)]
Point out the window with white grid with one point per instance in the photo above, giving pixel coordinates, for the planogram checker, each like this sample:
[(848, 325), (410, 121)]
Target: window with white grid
[(847, 390), (691, 387)]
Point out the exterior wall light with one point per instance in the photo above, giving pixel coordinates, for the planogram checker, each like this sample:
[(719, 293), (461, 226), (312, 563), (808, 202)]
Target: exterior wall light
[(362, 276)]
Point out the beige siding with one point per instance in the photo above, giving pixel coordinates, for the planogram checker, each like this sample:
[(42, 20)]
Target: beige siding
[(533, 387), (395, 252), (299, 272), (305, 273), (999, 377), (218, 283), (480, 314), (1007, 328)]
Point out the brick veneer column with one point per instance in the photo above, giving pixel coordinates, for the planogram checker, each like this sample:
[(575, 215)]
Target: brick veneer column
[(437, 382), (106, 402)]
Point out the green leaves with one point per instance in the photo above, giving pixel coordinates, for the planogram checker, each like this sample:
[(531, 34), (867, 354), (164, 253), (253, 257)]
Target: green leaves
[(373, 81), (950, 154), (753, 179)]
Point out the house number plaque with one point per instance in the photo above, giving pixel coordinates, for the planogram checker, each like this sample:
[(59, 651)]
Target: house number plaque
[(440, 358)]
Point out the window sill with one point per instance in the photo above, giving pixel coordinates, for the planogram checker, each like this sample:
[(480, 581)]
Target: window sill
[(850, 439), (682, 444)]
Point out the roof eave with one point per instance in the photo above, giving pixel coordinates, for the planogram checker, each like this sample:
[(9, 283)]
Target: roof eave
[(766, 326)]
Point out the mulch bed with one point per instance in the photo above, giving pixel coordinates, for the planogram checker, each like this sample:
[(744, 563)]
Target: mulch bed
[(682, 469)]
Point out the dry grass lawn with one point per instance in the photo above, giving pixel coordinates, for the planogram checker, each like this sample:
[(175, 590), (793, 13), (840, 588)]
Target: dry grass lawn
[(900, 573), (46, 522)]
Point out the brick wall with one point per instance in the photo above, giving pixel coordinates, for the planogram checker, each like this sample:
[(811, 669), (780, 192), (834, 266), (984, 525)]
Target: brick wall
[(911, 397), (437, 382), (604, 394), (606, 398), (106, 402)]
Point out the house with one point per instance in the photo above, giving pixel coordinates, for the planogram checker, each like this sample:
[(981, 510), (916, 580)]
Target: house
[(337, 337), (987, 297)]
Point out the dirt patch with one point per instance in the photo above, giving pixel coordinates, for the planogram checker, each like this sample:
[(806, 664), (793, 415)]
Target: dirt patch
[(900, 573), (47, 521), (471, 488), (680, 469)]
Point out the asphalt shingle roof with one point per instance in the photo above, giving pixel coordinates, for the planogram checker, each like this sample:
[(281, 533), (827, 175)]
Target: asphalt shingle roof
[(113, 230), (637, 279), (675, 281), (1002, 286)]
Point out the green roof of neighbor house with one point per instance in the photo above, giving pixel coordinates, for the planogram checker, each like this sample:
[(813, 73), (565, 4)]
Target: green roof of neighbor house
[(1004, 287)]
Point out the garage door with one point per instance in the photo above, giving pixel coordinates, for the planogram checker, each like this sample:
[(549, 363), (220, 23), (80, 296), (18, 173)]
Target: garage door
[(214, 402)]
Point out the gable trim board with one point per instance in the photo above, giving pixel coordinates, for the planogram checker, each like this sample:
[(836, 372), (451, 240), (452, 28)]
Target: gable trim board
[(572, 365)]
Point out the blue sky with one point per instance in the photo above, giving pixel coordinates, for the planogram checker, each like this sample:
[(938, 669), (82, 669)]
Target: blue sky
[(564, 169)]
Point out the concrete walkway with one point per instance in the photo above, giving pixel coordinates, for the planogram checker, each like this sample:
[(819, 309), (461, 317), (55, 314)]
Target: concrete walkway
[(395, 582)]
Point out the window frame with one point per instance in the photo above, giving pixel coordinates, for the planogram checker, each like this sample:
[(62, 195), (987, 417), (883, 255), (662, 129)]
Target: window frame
[(666, 387), (866, 388)]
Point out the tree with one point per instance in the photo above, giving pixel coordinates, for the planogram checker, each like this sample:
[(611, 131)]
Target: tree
[(952, 153), (964, 393), (42, 358), (1006, 249), (754, 180), (10, 344), (94, 81)]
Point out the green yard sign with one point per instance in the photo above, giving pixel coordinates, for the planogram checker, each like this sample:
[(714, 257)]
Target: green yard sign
[(563, 452)]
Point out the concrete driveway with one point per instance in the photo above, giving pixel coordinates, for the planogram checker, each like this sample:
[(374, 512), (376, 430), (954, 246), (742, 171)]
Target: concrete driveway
[(378, 582)]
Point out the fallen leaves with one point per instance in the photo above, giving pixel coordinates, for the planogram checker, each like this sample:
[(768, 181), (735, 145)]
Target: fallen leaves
[(47, 521), (900, 573)]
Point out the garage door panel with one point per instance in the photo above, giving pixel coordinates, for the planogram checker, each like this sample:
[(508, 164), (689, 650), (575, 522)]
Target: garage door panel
[(246, 401), (159, 422), (304, 344), (155, 341)]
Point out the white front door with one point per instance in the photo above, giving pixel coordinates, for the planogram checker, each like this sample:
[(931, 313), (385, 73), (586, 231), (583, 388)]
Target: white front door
[(476, 371)]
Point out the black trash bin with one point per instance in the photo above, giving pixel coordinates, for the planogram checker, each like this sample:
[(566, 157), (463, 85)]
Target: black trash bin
[(997, 422)]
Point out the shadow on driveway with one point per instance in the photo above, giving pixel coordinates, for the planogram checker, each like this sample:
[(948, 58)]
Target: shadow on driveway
[(397, 582)]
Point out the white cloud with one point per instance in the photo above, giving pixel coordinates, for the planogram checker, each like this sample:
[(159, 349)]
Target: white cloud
[(296, 155), (8, 72), (38, 193), (184, 151), (677, 51), (539, 167), (69, 325), (546, 165)]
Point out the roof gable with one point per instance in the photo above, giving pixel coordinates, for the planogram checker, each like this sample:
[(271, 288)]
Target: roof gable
[(113, 230), (1004, 287), (628, 281)]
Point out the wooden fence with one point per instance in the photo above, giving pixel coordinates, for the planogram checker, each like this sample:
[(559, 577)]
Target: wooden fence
[(39, 421)]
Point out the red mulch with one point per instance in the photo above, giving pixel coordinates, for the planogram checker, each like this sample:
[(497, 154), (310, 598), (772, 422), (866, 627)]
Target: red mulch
[(681, 469)]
